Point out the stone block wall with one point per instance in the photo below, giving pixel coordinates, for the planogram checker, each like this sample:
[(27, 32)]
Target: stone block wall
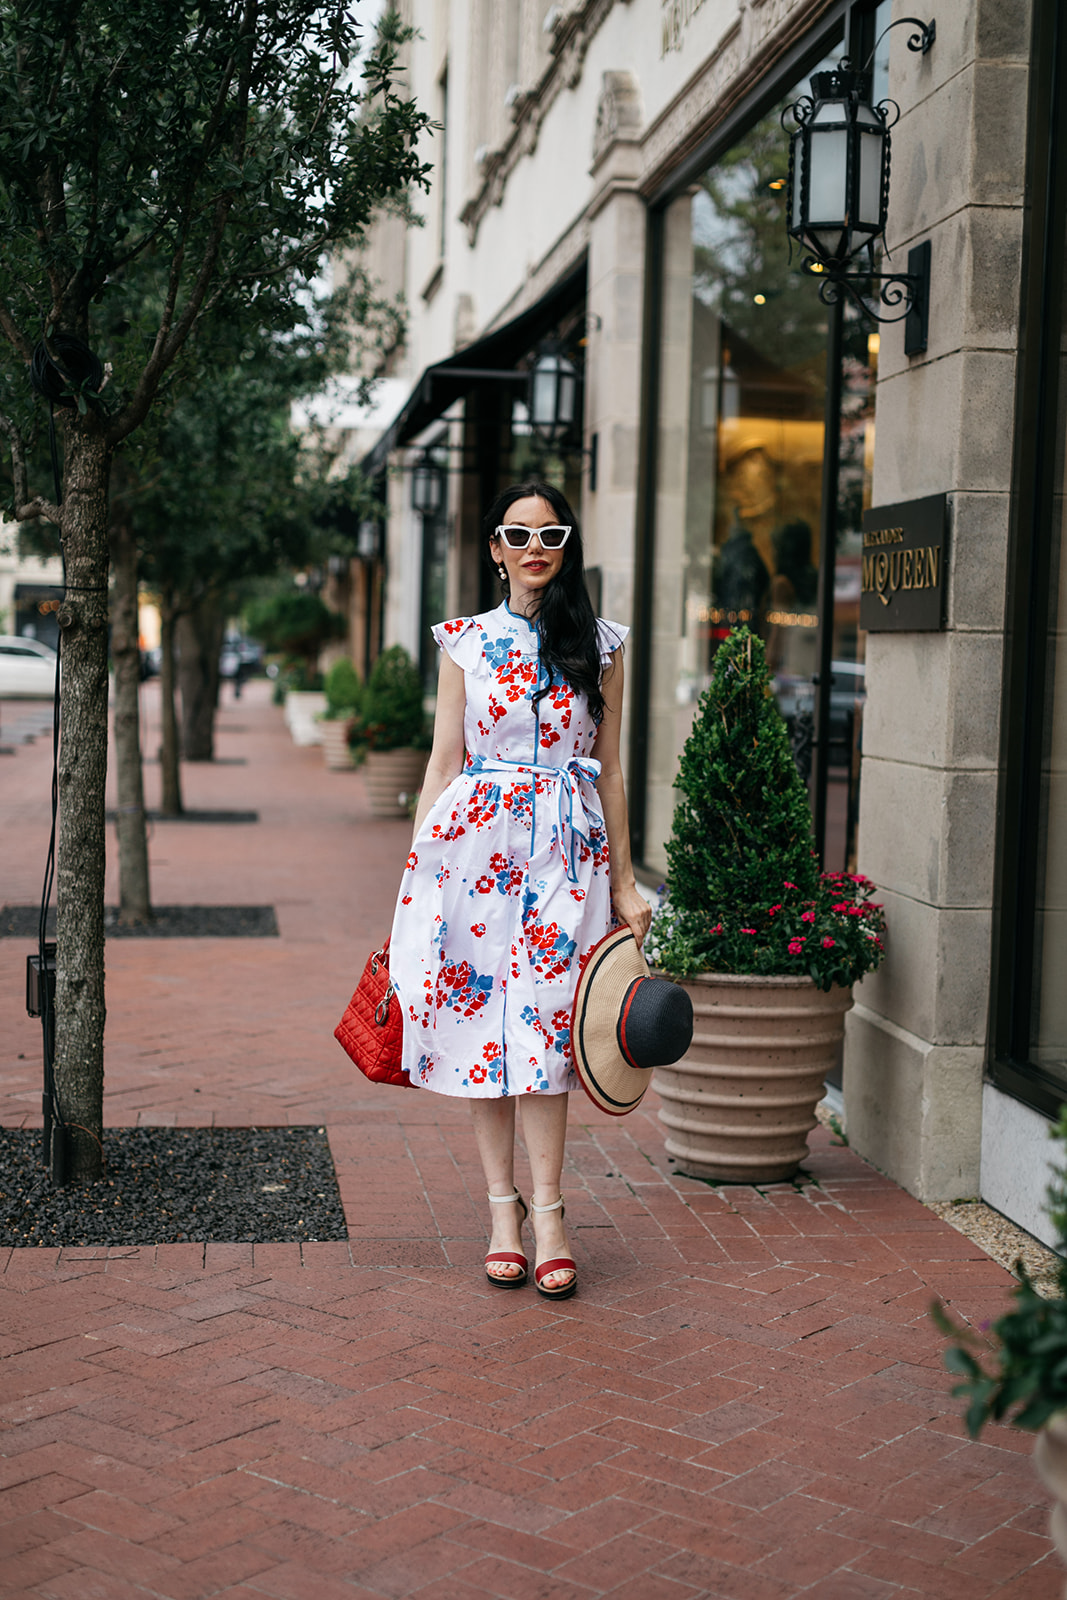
[(916, 1040)]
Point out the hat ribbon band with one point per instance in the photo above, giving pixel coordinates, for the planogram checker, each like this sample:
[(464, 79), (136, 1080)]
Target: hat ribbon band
[(624, 1017), (573, 820)]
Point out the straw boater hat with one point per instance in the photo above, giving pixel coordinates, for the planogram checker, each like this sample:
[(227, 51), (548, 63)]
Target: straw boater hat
[(624, 1023)]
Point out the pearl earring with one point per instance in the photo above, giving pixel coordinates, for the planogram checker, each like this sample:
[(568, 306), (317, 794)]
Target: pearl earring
[(503, 571)]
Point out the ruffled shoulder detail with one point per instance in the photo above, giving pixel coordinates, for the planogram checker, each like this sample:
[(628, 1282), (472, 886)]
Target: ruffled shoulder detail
[(610, 637), (463, 639)]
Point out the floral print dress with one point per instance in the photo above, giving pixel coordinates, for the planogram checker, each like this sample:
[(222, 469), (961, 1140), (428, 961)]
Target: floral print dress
[(507, 886)]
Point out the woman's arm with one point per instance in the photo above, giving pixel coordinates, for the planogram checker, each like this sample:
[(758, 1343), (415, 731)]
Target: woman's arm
[(446, 757), (630, 903)]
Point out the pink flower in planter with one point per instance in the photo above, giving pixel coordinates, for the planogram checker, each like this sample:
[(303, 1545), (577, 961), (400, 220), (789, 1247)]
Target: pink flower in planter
[(748, 930), (828, 944), (807, 916), (796, 945)]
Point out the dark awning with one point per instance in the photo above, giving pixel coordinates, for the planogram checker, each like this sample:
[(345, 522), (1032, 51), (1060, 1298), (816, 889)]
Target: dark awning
[(490, 359)]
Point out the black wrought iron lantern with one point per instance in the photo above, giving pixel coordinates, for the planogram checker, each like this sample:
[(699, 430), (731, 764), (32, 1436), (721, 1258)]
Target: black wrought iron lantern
[(427, 486), (839, 168), (553, 403), (838, 193), (369, 540)]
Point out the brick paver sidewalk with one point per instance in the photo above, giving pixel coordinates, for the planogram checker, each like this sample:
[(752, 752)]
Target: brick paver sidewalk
[(745, 1400)]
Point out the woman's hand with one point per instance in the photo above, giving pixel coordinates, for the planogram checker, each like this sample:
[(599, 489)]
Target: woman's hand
[(632, 908)]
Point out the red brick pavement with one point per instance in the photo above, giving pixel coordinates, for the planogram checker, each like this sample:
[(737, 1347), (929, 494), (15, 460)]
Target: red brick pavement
[(746, 1400)]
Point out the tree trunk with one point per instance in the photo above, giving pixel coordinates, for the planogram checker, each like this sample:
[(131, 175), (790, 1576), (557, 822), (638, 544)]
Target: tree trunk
[(80, 1009), (171, 802), (200, 632), (134, 903)]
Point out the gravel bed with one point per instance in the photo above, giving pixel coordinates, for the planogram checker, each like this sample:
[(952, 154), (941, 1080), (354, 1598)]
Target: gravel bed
[(162, 1185), (1004, 1241), (168, 922)]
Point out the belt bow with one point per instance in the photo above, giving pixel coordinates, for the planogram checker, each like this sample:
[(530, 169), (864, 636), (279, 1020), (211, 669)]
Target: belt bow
[(573, 819)]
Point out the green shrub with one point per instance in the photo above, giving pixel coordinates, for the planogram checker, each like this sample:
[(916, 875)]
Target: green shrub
[(743, 892), (743, 824), (344, 691), (295, 625), (391, 716)]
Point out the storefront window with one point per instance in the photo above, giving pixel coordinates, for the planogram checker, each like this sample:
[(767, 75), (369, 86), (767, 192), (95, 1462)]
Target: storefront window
[(1049, 1019), (738, 496), (1028, 1014)]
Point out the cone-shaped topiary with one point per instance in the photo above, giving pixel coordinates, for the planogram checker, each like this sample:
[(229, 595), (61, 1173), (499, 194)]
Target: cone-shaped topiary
[(743, 891), (743, 825)]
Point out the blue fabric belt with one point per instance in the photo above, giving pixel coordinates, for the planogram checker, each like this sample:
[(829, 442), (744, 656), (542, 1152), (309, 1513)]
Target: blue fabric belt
[(573, 821)]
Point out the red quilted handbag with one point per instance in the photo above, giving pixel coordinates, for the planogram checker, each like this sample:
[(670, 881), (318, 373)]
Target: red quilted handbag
[(372, 1028)]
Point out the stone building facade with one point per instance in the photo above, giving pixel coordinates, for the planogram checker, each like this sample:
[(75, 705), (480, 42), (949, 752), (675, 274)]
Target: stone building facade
[(608, 183)]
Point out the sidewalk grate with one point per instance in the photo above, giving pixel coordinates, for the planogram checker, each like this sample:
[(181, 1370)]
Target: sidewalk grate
[(168, 922)]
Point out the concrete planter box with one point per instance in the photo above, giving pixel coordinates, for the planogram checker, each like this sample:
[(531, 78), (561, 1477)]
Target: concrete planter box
[(336, 751), (740, 1104), (303, 707), (391, 777)]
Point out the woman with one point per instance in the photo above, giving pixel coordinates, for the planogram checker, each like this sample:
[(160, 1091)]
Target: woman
[(519, 865)]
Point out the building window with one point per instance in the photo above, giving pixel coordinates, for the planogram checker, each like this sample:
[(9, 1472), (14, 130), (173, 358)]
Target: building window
[(1029, 1010), (738, 452)]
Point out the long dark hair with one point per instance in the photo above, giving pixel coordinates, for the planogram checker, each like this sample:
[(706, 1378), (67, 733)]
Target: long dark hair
[(565, 620)]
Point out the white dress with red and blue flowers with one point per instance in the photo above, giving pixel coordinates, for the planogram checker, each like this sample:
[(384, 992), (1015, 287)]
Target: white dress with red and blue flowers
[(507, 886)]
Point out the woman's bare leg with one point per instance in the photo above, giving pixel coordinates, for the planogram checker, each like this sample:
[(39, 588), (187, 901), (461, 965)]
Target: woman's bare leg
[(544, 1131), (494, 1134)]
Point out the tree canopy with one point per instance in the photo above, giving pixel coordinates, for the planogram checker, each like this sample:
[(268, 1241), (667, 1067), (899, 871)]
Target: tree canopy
[(230, 145), (165, 166)]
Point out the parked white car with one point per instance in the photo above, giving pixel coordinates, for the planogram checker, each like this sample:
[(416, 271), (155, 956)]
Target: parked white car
[(27, 669)]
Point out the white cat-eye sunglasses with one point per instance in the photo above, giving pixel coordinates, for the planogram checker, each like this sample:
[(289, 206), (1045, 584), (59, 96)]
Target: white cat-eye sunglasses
[(516, 537)]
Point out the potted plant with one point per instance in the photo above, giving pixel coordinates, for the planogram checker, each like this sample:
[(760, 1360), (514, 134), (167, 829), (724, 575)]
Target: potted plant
[(390, 733), (1019, 1374), (344, 694), (767, 947)]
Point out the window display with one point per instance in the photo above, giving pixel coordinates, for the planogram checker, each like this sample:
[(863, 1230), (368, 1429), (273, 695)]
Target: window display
[(739, 455)]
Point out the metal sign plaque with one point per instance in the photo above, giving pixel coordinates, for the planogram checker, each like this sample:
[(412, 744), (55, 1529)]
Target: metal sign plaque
[(904, 551)]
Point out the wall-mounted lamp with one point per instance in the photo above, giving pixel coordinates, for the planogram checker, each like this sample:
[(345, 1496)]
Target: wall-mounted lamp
[(553, 402), (427, 486), (838, 193), (369, 540)]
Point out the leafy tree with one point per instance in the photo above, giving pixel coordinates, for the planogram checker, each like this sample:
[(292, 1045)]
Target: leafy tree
[(225, 145), (294, 624)]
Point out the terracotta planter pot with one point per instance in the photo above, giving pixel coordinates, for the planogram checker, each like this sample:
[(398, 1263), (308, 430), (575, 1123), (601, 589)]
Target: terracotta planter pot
[(740, 1104), (391, 777), (336, 750), (1050, 1459)]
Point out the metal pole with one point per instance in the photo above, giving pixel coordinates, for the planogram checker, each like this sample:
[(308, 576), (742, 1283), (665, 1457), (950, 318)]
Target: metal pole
[(831, 462)]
